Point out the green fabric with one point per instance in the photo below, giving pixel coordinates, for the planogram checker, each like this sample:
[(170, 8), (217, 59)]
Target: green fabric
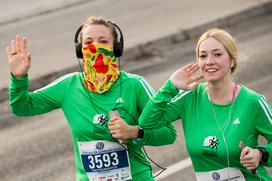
[(250, 116), (80, 106)]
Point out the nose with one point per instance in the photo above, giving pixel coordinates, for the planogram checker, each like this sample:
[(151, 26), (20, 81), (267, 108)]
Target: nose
[(210, 59)]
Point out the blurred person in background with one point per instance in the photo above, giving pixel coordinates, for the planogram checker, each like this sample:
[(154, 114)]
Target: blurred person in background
[(89, 99)]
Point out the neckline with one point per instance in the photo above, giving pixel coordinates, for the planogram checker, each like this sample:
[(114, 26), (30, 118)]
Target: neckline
[(234, 92)]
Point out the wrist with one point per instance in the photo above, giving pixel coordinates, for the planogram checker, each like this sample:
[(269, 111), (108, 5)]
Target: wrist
[(264, 154), (260, 155), (134, 132), (18, 76)]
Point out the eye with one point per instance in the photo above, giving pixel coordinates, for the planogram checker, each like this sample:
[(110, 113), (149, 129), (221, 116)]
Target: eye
[(217, 54), (104, 41), (87, 42), (202, 56)]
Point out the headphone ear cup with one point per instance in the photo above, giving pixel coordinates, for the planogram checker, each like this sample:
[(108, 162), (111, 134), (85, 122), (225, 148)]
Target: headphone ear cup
[(117, 49), (79, 50)]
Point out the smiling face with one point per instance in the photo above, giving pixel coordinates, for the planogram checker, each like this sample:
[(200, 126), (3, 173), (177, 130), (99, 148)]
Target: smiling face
[(214, 61)]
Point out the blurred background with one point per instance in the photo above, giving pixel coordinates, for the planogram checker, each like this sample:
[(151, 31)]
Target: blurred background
[(160, 36)]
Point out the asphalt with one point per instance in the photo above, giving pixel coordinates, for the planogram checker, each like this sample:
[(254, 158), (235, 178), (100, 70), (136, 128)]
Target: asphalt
[(145, 24), (26, 142)]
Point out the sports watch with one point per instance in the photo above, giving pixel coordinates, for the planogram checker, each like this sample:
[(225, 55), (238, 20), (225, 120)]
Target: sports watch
[(140, 133)]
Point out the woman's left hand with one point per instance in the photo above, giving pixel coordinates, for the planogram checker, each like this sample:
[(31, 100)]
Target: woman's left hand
[(250, 158), (121, 130)]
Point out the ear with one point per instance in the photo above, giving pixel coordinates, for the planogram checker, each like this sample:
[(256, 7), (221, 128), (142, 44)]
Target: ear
[(232, 64)]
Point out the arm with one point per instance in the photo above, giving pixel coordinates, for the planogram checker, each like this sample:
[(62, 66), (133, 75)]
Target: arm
[(152, 119), (264, 126), (120, 129), (165, 107), (25, 103), (252, 157), (22, 102)]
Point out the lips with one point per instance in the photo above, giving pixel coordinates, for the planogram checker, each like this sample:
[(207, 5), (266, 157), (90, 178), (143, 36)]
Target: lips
[(211, 70)]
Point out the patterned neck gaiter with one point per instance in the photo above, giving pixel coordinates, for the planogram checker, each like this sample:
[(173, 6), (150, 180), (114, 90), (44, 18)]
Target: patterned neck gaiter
[(100, 68)]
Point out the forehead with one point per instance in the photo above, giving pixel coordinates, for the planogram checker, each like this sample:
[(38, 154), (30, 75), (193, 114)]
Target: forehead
[(210, 44), (96, 31)]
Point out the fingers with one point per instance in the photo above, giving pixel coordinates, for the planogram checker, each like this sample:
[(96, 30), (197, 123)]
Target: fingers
[(187, 67), (8, 53), (113, 120), (15, 45), (12, 46), (113, 124), (249, 158), (18, 44), (192, 69), (244, 152), (24, 49), (250, 164)]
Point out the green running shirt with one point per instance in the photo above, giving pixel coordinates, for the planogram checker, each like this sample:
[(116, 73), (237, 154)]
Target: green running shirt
[(128, 95), (248, 116)]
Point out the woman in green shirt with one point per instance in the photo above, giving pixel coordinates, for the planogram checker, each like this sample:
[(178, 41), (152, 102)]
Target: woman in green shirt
[(86, 99), (221, 119)]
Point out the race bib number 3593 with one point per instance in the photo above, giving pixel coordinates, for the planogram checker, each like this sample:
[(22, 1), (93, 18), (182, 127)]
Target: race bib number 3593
[(105, 160)]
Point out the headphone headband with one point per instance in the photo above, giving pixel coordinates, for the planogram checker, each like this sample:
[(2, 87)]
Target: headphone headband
[(118, 45)]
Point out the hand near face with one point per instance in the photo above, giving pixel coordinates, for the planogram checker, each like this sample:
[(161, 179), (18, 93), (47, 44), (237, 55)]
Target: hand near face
[(121, 130), (250, 158), (18, 56), (184, 79)]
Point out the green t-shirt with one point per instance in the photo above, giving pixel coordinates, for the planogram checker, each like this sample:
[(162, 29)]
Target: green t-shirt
[(87, 113), (248, 116)]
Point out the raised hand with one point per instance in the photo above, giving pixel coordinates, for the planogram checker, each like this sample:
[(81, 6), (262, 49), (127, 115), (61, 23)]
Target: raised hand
[(18, 56), (183, 78)]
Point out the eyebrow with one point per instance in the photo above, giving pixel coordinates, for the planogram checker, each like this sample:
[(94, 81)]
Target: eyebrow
[(203, 51), (98, 37)]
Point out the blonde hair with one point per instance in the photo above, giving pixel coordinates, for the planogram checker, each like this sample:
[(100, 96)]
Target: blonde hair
[(99, 20), (225, 39)]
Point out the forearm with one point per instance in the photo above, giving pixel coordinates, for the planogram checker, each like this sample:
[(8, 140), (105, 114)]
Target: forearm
[(18, 95), (24, 103), (158, 108), (160, 136)]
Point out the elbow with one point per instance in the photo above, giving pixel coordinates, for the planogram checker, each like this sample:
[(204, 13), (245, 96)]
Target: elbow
[(16, 112)]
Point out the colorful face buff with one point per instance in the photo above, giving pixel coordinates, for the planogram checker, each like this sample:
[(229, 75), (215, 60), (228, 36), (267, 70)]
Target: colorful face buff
[(100, 68)]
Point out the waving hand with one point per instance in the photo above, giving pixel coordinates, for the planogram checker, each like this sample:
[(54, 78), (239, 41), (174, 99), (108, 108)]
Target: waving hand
[(184, 79), (18, 56)]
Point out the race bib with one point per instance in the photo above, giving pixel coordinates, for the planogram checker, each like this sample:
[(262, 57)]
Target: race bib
[(105, 160), (230, 174)]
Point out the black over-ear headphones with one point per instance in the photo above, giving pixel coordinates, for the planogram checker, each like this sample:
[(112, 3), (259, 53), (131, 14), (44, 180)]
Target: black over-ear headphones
[(118, 45)]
